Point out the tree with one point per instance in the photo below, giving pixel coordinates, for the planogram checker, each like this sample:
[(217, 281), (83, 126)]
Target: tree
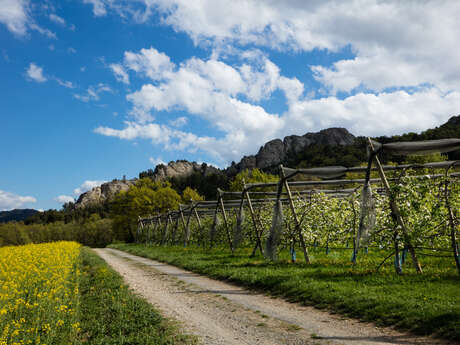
[(142, 199), (253, 176), (191, 194)]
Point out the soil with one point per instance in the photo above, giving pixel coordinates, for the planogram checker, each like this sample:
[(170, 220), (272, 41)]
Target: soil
[(221, 313)]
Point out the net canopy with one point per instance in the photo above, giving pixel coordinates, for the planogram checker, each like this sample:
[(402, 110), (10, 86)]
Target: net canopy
[(418, 148)]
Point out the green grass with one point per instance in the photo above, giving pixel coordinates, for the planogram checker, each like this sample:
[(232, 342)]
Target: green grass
[(425, 304), (111, 314)]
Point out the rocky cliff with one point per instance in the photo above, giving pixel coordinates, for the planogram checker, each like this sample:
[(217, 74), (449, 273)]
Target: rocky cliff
[(103, 193), (181, 168), (276, 151)]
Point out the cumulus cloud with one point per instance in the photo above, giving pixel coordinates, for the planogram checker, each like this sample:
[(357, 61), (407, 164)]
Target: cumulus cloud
[(228, 98), (93, 92), (9, 201), (62, 199), (86, 186), (35, 73), (396, 43), (400, 73)]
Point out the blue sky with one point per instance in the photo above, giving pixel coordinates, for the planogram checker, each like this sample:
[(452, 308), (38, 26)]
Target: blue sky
[(92, 90)]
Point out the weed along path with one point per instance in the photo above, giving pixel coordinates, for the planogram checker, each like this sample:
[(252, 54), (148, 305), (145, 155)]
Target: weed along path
[(224, 314)]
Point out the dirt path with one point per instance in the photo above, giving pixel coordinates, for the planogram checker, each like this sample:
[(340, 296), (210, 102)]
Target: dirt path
[(224, 314)]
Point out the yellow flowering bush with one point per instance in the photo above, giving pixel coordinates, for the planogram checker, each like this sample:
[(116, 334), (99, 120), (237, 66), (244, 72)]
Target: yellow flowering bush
[(39, 293)]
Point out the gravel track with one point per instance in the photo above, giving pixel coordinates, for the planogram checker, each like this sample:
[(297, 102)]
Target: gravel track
[(223, 314)]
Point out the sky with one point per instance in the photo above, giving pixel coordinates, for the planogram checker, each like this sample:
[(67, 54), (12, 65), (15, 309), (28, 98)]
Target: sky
[(92, 90)]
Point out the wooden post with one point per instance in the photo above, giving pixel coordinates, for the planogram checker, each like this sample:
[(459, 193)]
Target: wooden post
[(158, 240), (165, 231), (183, 221), (254, 219), (214, 226), (187, 229), (396, 212), (296, 218), (199, 223), (453, 238), (224, 214), (176, 226)]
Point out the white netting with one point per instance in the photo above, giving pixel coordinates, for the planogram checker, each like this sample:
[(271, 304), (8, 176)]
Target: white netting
[(238, 229), (367, 217), (214, 227), (276, 230)]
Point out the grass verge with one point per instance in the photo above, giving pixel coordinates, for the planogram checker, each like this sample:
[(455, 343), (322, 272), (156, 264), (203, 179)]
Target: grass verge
[(425, 304), (111, 314)]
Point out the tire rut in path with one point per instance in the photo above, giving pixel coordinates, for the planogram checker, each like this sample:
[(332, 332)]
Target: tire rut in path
[(222, 313)]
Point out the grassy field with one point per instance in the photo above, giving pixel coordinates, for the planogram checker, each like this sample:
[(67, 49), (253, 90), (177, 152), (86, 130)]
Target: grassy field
[(425, 304), (62, 293)]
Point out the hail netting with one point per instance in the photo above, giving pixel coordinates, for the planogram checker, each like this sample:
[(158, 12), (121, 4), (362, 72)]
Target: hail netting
[(275, 232), (238, 230), (367, 218), (418, 147)]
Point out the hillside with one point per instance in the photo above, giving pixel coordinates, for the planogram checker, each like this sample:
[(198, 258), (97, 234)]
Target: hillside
[(16, 215)]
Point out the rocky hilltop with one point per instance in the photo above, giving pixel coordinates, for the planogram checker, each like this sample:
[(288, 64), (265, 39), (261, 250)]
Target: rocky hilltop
[(105, 192), (276, 151), (177, 169), (181, 168)]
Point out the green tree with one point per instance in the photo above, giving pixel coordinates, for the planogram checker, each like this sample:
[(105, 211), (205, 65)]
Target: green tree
[(253, 176), (144, 198), (191, 194)]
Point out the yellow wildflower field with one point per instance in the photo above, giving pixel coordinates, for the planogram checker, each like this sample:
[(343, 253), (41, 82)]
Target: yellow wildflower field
[(39, 293)]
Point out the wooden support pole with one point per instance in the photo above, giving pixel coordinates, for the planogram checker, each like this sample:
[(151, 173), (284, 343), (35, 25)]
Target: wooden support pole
[(396, 212), (187, 230), (254, 220), (213, 227), (294, 214), (450, 212), (199, 223), (224, 214), (157, 236), (165, 231), (176, 226)]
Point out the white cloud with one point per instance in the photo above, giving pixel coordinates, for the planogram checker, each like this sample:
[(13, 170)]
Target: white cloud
[(212, 90), (71, 50), (86, 186), (156, 161), (35, 73), (62, 199), (98, 7), (55, 18), (65, 83), (9, 201), (14, 14), (93, 92), (42, 31), (179, 122), (395, 43), (120, 73), (400, 73), (150, 62)]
